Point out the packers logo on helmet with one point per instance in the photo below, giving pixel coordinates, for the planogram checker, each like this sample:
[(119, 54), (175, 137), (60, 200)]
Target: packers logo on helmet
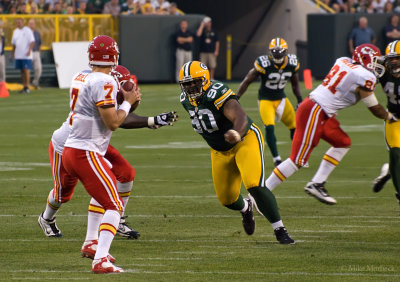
[(392, 58), (194, 79), (278, 50)]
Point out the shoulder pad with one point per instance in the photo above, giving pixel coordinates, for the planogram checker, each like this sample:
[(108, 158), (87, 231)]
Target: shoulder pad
[(218, 93), (262, 63)]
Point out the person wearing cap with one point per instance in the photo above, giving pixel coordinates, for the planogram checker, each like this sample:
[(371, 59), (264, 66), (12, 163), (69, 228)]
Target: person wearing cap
[(209, 45)]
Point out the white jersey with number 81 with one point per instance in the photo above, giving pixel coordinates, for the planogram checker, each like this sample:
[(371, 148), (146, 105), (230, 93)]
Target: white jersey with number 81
[(337, 91)]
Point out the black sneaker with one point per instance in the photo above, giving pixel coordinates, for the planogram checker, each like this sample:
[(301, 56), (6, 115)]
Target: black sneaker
[(249, 224), (49, 227), (125, 231), (381, 180), (318, 191), (398, 197), (282, 236)]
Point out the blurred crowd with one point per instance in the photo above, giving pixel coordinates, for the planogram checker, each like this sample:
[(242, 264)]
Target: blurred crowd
[(364, 6), (113, 7)]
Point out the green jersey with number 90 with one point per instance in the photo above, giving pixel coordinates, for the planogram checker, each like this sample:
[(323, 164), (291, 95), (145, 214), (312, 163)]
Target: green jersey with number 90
[(273, 77), (391, 86), (208, 118)]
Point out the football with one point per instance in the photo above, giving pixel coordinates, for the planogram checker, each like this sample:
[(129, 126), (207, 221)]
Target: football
[(128, 86)]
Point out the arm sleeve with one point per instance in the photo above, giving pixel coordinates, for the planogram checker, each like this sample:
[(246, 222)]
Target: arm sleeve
[(367, 81)]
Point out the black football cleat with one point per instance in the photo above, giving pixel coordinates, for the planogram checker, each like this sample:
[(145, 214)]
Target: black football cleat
[(381, 180), (318, 191), (283, 237), (125, 231), (249, 224)]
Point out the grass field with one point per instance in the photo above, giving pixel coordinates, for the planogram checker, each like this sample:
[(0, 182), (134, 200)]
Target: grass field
[(186, 234)]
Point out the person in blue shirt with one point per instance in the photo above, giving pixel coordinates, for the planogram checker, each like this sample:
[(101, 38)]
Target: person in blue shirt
[(361, 34)]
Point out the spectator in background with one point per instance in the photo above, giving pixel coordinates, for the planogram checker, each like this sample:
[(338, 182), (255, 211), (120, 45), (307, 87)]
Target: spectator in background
[(147, 8), (339, 6), (23, 42), (391, 31), (209, 45), (130, 7), (184, 40), (2, 57), (57, 8), (37, 61), (81, 8), (41, 4), (161, 7), (361, 34), (379, 5), (388, 9), (95, 6), (173, 9), (112, 7)]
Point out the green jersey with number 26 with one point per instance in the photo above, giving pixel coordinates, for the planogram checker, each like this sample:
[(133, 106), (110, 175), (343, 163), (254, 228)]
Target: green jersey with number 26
[(273, 77), (208, 118)]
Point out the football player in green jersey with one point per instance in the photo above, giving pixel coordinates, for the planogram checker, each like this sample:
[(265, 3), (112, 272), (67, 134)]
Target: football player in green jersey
[(236, 147), (391, 85), (275, 70)]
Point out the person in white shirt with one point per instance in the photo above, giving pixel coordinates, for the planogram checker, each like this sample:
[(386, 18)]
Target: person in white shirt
[(348, 82), (23, 42)]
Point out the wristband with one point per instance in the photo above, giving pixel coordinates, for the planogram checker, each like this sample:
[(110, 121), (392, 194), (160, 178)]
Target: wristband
[(370, 101), (125, 106), (150, 122)]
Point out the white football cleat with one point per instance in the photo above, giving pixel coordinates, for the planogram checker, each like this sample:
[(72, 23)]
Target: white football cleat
[(103, 265), (89, 249), (381, 180), (49, 226), (318, 191)]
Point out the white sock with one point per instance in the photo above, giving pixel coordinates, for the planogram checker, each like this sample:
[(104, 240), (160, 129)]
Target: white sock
[(52, 206), (95, 215), (124, 190), (330, 160), (280, 173), (277, 224), (108, 228), (246, 206)]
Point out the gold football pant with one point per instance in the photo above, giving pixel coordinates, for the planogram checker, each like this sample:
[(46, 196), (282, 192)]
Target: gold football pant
[(392, 134), (269, 110), (244, 162)]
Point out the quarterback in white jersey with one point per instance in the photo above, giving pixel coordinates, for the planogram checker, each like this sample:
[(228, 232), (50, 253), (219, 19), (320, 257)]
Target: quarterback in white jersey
[(64, 183), (349, 81)]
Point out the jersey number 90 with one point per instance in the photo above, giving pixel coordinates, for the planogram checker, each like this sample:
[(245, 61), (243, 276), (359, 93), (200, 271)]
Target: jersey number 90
[(203, 120)]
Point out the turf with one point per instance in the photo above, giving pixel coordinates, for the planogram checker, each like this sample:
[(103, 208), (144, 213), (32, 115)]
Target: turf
[(186, 235)]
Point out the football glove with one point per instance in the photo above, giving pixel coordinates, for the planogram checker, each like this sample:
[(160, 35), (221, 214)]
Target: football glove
[(391, 118), (165, 119)]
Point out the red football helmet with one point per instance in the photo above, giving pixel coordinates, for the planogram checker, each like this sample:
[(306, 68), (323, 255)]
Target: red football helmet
[(369, 56), (121, 73), (103, 51)]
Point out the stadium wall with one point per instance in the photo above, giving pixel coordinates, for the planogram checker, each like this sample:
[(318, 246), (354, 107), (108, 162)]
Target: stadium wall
[(328, 38), (147, 45)]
